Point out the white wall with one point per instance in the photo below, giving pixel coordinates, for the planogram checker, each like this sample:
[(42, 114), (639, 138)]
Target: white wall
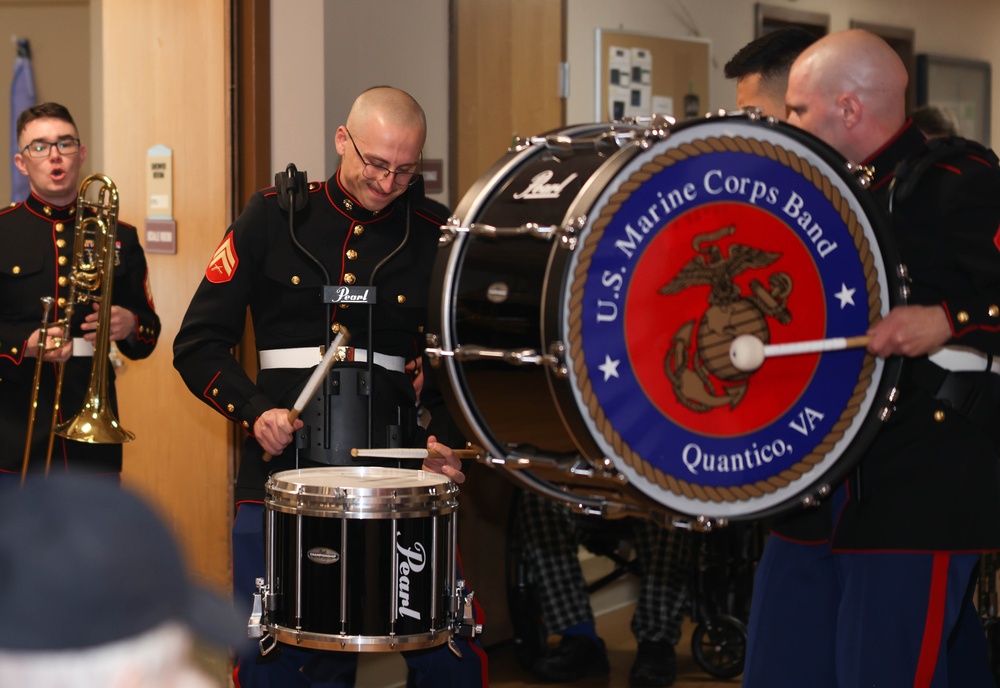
[(405, 43), (324, 53)]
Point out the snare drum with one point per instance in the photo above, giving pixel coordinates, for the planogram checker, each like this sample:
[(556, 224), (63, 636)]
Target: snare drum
[(360, 559), (591, 286)]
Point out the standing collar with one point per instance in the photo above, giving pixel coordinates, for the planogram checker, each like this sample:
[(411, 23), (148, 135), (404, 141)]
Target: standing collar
[(349, 206), (886, 158), (54, 212)]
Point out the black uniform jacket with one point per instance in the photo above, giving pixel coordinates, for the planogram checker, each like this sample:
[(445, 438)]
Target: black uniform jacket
[(258, 266), (36, 256), (931, 478)]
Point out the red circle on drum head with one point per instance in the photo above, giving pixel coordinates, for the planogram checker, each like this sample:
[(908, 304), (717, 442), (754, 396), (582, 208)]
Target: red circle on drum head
[(715, 272)]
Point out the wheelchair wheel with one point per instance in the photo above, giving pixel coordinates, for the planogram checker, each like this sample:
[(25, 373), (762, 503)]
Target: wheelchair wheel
[(719, 645)]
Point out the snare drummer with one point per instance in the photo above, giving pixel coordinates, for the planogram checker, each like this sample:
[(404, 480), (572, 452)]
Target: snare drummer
[(877, 588), (372, 206), (761, 69)]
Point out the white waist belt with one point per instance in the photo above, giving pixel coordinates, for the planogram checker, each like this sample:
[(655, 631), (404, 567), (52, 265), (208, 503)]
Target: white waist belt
[(81, 347), (964, 360), (309, 356)]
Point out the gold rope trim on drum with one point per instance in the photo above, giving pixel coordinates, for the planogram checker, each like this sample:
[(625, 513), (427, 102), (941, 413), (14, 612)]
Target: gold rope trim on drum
[(680, 153)]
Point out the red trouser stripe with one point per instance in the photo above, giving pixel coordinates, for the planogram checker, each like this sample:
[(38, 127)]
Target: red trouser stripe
[(934, 624)]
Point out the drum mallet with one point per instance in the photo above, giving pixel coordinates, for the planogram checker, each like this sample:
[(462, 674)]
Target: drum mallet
[(747, 352)]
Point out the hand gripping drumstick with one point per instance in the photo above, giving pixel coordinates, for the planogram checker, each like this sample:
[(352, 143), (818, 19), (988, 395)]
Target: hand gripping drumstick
[(747, 352), (403, 453), (315, 380)]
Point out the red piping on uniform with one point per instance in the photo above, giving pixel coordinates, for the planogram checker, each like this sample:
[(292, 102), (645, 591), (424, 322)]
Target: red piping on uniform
[(934, 623)]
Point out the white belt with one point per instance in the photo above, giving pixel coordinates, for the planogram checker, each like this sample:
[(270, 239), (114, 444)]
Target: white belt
[(309, 356), (959, 359), (81, 347)]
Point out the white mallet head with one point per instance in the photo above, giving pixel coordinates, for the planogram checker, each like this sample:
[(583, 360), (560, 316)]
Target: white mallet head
[(746, 352)]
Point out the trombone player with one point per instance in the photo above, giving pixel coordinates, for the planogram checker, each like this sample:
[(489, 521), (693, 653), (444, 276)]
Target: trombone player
[(36, 260)]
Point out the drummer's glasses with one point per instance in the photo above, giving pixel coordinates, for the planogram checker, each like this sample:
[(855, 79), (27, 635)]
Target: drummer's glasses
[(41, 149), (377, 173)]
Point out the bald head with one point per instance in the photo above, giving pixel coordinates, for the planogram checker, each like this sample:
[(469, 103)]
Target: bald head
[(849, 88), (386, 107)]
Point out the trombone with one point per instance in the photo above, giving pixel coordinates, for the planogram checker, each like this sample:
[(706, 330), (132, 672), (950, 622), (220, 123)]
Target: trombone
[(91, 278)]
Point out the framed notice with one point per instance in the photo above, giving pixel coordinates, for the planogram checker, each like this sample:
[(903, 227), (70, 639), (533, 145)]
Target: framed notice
[(640, 75), (960, 87)]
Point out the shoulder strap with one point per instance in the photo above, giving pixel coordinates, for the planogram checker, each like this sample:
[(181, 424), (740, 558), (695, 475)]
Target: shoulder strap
[(910, 171)]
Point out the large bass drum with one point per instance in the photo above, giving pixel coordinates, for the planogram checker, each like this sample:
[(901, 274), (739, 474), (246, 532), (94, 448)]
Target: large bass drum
[(589, 290)]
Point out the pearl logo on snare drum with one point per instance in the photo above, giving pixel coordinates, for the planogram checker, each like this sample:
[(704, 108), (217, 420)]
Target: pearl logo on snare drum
[(411, 561), (540, 188)]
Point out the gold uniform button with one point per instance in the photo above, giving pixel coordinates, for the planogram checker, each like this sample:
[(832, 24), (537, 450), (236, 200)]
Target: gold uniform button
[(14, 351), (349, 278), (344, 306), (61, 302), (358, 230), (64, 280), (401, 298), (994, 311), (63, 260), (335, 328), (246, 424), (295, 279), (16, 270), (230, 408), (939, 416), (352, 254), (60, 226), (60, 243), (215, 391), (963, 317)]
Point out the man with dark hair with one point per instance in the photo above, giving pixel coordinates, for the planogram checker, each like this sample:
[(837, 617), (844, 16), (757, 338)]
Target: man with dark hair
[(761, 69), (36, 261)]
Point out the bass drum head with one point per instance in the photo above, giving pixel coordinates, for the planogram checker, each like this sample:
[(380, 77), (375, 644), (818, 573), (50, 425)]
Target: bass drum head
[(728, 227)]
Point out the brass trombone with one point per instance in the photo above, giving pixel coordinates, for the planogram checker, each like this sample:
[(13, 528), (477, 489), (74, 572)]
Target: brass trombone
[(90, 281)]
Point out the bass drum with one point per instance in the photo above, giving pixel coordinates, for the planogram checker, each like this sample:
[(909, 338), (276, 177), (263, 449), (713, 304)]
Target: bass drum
[(589, 291)]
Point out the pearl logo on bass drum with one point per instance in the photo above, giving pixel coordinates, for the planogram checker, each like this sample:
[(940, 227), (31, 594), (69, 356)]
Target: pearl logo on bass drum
[(540, 188)]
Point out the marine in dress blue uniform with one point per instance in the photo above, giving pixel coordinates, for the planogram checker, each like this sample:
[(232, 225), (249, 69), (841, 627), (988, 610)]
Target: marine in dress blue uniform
[(259, 266), (36, 257), (875, 588)]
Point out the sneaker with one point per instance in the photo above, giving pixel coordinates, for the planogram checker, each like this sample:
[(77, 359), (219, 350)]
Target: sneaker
[(577, 657), (655, 664)]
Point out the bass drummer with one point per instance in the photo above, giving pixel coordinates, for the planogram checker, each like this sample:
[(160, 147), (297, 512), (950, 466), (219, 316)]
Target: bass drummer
[(876, 588), (370, 218)]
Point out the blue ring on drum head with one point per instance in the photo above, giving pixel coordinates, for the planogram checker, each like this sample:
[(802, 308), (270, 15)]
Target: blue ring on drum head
[(636, 422)]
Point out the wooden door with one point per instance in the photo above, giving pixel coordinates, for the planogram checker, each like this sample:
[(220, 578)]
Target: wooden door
[(506, 57)]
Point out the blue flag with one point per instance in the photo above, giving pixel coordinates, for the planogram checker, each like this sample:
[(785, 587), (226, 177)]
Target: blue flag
[(22, 97)]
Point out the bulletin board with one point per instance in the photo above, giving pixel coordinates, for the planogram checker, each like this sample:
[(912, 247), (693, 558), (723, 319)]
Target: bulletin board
[(640, 75)]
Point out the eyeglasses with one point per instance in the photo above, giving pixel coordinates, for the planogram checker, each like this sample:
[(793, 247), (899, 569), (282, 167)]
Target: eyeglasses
[(41, 149), (377, 173)]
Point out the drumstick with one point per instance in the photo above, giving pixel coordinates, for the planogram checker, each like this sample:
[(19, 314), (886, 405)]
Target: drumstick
[(404, 453), (747, 352), (315, 380)]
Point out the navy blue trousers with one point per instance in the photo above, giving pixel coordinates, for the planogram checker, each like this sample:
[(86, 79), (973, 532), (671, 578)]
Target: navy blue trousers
[(876, 619)]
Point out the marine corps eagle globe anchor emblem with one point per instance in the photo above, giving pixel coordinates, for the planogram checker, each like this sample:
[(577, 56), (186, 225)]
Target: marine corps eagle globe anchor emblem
[(698, 364)]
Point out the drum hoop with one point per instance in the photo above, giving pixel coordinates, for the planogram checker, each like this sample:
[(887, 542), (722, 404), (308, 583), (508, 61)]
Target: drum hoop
[(684, 151)]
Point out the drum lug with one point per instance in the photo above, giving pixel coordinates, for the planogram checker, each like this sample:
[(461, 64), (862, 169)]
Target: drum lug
[(468, 628)]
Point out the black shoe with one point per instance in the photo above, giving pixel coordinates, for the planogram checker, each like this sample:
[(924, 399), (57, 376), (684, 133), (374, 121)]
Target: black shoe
[(655, 664), (577, 657)]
